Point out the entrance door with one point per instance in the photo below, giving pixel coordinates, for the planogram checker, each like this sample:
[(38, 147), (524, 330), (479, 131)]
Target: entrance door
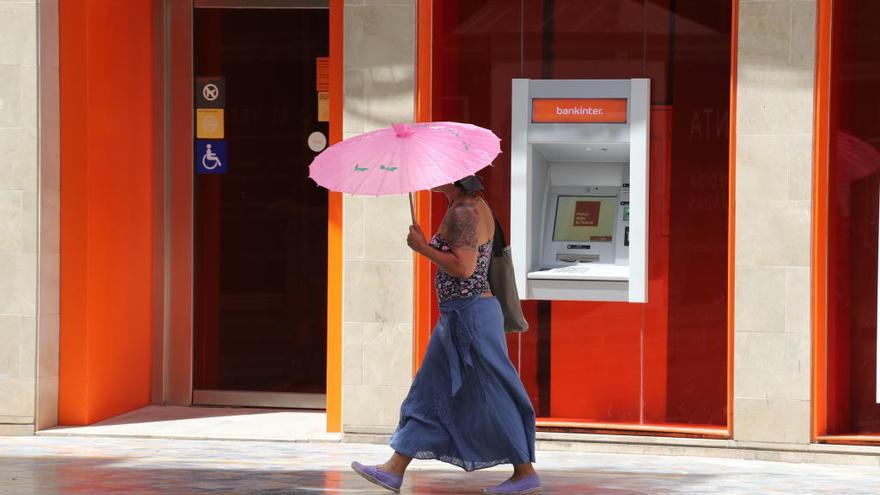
[(260, 224)]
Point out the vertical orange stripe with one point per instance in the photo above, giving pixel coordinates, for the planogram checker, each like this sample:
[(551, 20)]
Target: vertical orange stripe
[(73, 387), (334, 230), (731, 212), (820, 216), (107, 220), (422, 266)]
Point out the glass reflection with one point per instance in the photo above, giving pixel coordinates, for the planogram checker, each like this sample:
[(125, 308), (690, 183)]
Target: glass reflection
[(665, 362)]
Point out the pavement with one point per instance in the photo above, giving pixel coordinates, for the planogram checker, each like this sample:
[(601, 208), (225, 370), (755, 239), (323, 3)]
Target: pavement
[(209, 423), (130, 465)]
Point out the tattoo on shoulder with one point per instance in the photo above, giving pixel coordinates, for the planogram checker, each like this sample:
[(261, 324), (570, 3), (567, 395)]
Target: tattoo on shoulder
[(460, 226)]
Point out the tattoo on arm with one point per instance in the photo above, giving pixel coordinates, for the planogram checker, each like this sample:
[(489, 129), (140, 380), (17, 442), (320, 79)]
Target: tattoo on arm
[(460, 226)]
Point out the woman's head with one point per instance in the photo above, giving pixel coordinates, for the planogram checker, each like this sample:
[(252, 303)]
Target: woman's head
[(468, 185)]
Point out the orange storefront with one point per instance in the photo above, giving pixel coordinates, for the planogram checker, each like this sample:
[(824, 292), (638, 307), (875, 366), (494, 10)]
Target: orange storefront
[(664, 366), (181, 287), (637, 371), (161, 264)]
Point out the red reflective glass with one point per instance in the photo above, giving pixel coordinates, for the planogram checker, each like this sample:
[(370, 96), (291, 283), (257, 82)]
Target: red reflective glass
[(665, 362), (854, 182)]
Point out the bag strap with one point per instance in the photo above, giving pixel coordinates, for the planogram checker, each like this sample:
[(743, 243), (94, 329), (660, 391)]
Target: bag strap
[(499, 242)]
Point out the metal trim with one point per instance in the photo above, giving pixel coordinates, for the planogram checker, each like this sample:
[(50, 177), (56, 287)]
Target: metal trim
[(178, 356), (179, 221), (160, 106), (262, 4), (259, 399), (585, 427), (639, 179)]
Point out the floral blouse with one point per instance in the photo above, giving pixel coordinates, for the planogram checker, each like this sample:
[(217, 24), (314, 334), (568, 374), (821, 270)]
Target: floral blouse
[(449, 287)]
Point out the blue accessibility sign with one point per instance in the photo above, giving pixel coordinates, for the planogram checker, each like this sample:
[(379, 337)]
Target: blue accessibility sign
[(211, 156)]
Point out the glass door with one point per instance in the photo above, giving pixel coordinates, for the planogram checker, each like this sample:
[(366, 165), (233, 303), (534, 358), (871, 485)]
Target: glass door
[(260, 242)]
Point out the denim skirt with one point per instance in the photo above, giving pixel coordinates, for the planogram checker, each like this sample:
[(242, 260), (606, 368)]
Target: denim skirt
[(467, 405)]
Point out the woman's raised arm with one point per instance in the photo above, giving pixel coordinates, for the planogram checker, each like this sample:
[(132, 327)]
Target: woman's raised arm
[(459, 228)]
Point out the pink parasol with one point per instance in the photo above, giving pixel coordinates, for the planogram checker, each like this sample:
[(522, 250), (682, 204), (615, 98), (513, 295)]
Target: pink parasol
[(405, 158)]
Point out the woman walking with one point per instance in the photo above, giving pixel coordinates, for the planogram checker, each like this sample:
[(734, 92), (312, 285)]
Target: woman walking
[(467, 405)]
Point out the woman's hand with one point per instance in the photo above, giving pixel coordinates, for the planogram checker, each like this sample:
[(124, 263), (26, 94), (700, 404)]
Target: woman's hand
[(416, 239)]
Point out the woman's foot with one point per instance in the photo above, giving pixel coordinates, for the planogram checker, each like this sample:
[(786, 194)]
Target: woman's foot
[(378, 476), (516, 486), (523, 470)]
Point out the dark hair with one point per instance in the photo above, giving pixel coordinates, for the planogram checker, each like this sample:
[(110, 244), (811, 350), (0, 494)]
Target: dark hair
[(469, 184)]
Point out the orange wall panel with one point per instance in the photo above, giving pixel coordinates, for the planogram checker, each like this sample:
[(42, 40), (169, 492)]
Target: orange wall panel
[(595, 369), (73, 218), (107, 211), (334, 228)]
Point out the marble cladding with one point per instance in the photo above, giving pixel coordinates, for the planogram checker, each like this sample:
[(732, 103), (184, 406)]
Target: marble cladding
[(49, 204), (29, 214), (19, 183), (773, 221), (378, 266)]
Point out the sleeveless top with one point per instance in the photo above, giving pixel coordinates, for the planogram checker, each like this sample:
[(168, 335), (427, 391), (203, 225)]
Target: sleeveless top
[(450, 287)]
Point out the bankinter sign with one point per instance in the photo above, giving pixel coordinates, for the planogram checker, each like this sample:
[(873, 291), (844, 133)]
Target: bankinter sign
[(545, 110)]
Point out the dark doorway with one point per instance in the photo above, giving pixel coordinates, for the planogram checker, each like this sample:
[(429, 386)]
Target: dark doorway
[(261, 227)]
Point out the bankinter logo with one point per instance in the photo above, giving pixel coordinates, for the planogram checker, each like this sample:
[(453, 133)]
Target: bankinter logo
[(579, 111)]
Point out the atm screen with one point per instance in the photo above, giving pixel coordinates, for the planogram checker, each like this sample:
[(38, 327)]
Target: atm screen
[(585, 218)]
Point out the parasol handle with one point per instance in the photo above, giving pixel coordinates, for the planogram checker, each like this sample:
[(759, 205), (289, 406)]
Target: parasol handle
[(412, 209)]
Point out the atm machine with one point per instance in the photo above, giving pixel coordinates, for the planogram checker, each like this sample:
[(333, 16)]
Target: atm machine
[(579, 189)]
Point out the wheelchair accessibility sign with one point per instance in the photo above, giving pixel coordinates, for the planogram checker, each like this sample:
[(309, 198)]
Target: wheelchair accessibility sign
[(211, 156)]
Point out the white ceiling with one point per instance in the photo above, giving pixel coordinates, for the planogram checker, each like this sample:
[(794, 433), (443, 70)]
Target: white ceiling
[(587, 152)]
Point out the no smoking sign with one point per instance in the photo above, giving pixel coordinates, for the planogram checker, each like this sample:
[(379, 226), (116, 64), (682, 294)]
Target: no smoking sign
[(210, 92)]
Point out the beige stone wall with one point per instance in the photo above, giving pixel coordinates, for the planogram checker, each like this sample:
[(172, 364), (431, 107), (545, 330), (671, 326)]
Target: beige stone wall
[(18, 215), (773, 221), (378, 265), (29, 215)]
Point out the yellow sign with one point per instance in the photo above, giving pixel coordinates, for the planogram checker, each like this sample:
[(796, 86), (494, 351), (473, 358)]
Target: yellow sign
[(209, 123), (323, 106)]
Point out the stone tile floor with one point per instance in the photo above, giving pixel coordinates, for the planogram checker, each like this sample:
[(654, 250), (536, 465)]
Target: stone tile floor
[(209, 423), (96, 465)]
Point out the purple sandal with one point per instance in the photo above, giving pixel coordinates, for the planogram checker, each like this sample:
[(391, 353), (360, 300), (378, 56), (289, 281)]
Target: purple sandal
[(528, 485), (376, 476)]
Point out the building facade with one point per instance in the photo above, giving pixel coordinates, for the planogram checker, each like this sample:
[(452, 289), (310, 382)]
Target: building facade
[(160, 242)]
